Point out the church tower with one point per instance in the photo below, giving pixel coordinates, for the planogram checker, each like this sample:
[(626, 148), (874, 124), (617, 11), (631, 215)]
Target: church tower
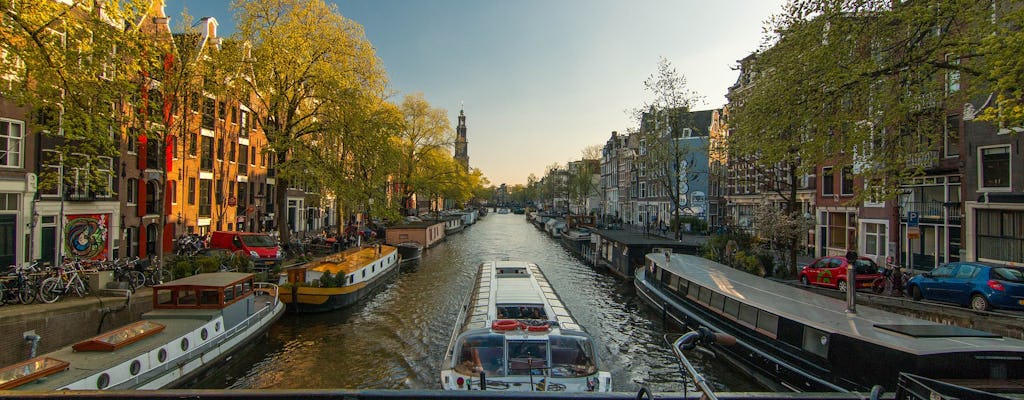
[(461, 154)]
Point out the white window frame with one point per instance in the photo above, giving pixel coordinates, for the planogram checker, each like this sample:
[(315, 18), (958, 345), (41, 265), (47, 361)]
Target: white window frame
[(981, 169), (131, 191), (18, 143)]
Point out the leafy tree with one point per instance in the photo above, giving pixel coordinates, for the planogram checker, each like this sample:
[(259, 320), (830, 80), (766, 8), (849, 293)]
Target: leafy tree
[(299, 59), (779, 230), (425, 136), (663, 120)]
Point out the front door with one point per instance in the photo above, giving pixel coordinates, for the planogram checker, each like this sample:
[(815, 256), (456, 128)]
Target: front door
[(8, 240), (48, 243)]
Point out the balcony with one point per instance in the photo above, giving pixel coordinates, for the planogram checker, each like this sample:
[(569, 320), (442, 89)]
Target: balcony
[(932, 212), (925, 160)]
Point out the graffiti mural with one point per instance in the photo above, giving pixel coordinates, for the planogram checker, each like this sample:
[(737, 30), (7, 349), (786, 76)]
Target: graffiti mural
[(86, 236)]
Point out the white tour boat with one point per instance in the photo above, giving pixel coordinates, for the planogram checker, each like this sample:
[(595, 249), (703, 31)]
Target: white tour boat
[(515, 334)]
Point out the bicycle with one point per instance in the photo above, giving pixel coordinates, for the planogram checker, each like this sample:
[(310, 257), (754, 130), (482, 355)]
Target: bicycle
[(893, 278), (155, 274), (63, 283), (20, 288), (124, 272)]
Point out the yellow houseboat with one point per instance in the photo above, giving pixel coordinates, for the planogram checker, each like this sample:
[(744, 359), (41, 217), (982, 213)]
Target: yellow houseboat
[(339, 279)]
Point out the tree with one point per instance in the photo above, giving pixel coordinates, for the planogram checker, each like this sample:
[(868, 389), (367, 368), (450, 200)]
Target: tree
[(299, 57), (863, 83), (779, 229), (426, 133), (663, 120)]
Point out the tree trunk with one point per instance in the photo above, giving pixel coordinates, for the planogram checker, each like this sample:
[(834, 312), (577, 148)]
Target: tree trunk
[(280, 196), (791, 210)]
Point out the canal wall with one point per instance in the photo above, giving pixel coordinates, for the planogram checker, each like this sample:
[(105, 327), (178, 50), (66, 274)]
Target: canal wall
[(65, 322)]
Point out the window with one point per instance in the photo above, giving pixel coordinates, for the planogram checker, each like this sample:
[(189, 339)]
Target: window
[(995, 167), (815, 341), (643, 190), (206, 159), (191, 191), (209, 109), (220, 149), (234, 116), (132, 139), (837, 230), (194, 103), (11, 134), (205, 204), (193, 143), (222, 110), (827, 186), (847, 184), (874, 239), (231, 189), (48, 185), (219, 193), (231, 152), (241, 193), (173, 192), (252, 157), (244, 131), (952, 75), (966, 271), (951, 136), (1000, 235), (243, 159)]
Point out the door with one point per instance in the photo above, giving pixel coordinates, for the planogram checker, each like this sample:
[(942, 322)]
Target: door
[(958, 286), (932, 284), (8, 240), (48, 241)]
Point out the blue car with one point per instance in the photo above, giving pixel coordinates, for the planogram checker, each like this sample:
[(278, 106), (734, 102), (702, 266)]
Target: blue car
[(978, 285)]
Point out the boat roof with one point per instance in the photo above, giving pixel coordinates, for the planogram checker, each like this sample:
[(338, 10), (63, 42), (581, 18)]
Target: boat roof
[(828, 314), (212, 279), (350, 260), (636, 239), (515, 283)]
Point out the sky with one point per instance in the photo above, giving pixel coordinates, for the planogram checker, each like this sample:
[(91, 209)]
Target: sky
[(542, 80)]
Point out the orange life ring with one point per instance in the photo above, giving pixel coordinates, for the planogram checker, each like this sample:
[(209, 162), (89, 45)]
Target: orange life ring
[(504, 324), (538, 328)]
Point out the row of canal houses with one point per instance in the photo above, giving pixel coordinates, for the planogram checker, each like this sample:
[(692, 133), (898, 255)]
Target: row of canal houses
[(220, 176), (967, 205)]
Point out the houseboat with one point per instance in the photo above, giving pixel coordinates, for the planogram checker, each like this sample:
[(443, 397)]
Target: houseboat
[(196, 322), (338, 280), (426, 233), (515, 334), (789, 338), (409, 252)]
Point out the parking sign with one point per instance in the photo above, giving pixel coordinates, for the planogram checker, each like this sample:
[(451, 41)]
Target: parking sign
[(912, 219)]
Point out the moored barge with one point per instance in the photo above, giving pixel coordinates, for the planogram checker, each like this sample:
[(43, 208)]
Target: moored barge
[(196, 322), (789, 338), (338, 280), (515, 334)]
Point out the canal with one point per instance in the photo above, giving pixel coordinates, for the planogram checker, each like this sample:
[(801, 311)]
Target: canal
[(397, 337)]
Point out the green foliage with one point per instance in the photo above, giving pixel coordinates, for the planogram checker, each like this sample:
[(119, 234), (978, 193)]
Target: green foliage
[(697, 225)]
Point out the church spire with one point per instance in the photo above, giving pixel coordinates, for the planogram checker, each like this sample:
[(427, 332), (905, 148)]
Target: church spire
[(461, 151)]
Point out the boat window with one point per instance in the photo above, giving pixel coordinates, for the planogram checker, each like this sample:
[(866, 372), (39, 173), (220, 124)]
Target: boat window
[(731, 307), (364, 272), (483, 352), (187, 297), (748, 314), (705, 295), (229, 293), (521, 311), (572, 357), (815, 341), (351, 278), (673, 283), (210, 297), (693, 291), (717, 301), (767, 321), (246, 287), (527, 357)]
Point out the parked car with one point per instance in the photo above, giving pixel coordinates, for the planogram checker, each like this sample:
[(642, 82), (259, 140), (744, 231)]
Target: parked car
[(261, 247), (980, 286), (831, 272)]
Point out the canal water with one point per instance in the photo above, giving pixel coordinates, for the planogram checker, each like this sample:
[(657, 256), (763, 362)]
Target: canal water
[(396, 338)]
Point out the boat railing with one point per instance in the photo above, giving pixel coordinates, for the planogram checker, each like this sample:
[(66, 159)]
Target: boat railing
[(690, 341), (269, 289), (910, 386), (460, 320)]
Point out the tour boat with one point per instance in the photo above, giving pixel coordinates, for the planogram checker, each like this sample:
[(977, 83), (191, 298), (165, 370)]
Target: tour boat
[(196, 322), (515, 334), (792, 339), (338, 280)]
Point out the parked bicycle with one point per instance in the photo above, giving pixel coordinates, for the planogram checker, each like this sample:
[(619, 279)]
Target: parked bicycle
[(124, 271), (19, 285), (68, 279), (892, 280), (155, 273)]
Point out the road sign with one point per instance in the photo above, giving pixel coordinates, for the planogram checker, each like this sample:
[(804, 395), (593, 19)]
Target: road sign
[(912, 219), (913, 232)]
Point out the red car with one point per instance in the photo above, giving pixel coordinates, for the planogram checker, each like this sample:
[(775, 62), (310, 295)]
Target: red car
[(831, 272)]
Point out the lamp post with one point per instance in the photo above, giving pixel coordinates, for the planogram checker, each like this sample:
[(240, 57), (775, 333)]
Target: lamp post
[(259, 212)]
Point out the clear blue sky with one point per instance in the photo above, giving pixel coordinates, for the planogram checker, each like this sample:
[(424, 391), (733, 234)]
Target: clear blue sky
[(541, 80)]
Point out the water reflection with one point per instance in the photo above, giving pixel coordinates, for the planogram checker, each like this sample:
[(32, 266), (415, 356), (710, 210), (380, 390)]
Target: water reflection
[(397, 338)]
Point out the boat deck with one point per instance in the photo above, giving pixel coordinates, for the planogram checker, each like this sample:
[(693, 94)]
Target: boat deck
[(351, 260), (829, 314)]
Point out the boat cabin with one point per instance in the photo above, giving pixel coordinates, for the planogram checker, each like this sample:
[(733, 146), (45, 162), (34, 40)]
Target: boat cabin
[(214, 291)]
